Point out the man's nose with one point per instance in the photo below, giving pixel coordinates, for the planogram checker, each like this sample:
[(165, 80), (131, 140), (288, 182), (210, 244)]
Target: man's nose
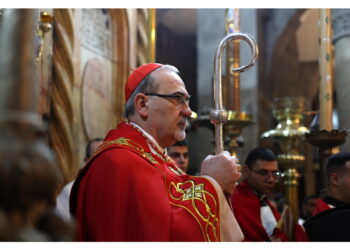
[(181, 158), (270, 178), (186, 110)]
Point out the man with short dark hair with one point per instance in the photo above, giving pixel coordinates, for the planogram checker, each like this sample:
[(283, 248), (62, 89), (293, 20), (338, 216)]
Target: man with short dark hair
[(131, 190), (332, 214), (255, 214), (179, 153), (338, 183)]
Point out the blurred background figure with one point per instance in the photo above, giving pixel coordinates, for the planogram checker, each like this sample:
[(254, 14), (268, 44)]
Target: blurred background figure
[(179, 153), (62, 200), (308, 206), (277, 199)]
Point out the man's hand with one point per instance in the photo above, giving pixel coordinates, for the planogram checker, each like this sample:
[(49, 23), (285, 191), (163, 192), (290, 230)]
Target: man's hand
[(224, 169)]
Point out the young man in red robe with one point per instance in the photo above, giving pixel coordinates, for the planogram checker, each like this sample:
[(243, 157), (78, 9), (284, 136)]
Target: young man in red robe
[(255, 214), (131, 190)]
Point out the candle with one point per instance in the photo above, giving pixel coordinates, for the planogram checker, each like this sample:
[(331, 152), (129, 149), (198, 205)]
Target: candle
[(326, 70)]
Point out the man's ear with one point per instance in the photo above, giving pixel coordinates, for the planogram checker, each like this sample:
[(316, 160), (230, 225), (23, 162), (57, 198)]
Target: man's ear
[(334, 179), (141, 106)]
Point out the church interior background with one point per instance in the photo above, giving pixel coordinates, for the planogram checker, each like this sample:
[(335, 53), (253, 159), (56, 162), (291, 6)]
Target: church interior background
[(62, 73)]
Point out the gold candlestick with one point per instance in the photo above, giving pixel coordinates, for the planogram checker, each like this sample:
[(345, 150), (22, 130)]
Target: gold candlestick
[(289, 134)]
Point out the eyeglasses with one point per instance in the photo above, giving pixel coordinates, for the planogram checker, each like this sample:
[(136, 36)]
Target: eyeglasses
[(180, 99), (265, 174)]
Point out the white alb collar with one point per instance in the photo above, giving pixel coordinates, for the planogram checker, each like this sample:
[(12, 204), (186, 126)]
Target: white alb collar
[(151, 138)]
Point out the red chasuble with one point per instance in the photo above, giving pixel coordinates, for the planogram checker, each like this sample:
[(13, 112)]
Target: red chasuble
[(246, 207), (127, 193)]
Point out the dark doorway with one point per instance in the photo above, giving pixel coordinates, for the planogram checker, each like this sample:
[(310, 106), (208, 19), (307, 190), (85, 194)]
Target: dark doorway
[(177, 45)]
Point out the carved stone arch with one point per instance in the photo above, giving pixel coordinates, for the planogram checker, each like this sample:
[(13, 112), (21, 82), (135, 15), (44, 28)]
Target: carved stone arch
[(61, 115), (122, 48), (82, 76)]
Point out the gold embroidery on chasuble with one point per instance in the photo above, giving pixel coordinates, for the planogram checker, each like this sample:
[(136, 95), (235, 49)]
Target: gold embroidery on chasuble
[(176, 171), (200, 203), (130, 144)]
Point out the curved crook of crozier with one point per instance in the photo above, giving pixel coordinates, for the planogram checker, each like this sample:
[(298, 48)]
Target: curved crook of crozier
[(62, 82)]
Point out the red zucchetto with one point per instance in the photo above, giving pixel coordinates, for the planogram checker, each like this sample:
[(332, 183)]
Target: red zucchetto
[(137, 76)]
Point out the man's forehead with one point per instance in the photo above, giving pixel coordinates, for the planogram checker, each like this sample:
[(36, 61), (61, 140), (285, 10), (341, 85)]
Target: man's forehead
[(262, 164), (169, 80), (178, 148)]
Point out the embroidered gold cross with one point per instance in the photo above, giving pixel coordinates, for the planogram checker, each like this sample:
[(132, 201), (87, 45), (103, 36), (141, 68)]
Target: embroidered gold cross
[(195, 191)]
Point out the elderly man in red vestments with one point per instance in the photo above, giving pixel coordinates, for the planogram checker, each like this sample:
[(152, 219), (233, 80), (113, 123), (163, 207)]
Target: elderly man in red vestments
[(131, 190), (256, 216)]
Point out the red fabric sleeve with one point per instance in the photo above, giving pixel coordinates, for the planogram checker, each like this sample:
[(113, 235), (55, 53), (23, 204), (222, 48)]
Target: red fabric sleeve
[(246, 208)]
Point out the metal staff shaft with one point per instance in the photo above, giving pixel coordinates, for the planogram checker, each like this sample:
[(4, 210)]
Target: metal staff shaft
[(218, 116)]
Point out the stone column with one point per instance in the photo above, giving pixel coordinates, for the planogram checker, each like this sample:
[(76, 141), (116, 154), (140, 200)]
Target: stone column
[(341, 41)]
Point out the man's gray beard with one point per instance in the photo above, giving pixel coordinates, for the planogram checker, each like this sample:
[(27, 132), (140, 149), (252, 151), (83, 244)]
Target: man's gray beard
[(183, 136)]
